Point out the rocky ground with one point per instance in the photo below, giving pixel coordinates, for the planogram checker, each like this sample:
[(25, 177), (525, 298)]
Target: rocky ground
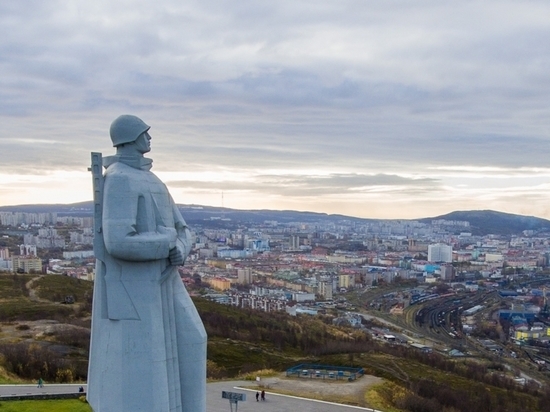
[(38, 329)]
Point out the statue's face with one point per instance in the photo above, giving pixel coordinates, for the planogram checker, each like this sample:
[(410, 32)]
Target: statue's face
[(143, 143)]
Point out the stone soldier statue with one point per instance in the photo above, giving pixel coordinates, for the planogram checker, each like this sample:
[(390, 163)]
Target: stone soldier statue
[(148, 344)]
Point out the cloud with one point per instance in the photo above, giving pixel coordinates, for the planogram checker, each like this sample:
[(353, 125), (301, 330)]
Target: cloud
[(312, 186), (375, 97)]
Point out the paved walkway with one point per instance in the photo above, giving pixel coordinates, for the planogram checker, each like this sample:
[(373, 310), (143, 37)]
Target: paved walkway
[(47, 389), (214, 401), (273, 402)]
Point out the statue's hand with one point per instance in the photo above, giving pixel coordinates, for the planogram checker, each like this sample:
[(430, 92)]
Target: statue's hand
[(176, 257)]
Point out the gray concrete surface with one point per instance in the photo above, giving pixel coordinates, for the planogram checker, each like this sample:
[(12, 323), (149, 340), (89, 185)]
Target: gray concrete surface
[(214, 401), (48, 389)]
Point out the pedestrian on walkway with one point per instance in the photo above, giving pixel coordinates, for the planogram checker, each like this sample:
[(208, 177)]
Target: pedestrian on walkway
[(257, 396), (40, 383), (263, 395)]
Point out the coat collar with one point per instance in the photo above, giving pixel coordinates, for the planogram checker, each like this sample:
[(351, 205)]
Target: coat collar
[(142, 163)]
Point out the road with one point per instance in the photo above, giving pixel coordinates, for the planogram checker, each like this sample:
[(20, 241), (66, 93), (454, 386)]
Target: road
[(214, 401), (18, 390)]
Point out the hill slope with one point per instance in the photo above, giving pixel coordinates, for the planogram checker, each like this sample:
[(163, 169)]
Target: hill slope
[(482, 221), (490, 221)]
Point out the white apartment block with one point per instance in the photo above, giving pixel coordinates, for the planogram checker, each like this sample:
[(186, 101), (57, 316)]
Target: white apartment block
[(19, 218), (27, 250), (4, 253), (440, 253)]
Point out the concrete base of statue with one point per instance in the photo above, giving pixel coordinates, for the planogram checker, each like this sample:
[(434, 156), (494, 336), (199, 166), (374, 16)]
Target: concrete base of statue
[(150, 364)]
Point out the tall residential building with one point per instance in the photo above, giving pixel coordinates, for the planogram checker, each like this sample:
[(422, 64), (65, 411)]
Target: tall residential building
[(447, 272), (346, 281), (440, 253), (325, 289), (4, 253), (294, 242), (244, 276), (27, 250)]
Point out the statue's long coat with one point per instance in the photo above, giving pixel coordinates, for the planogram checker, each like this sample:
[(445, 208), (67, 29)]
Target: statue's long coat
[(148, 346)]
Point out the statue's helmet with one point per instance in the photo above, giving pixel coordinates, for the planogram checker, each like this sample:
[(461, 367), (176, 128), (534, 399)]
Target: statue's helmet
[(126, 129)]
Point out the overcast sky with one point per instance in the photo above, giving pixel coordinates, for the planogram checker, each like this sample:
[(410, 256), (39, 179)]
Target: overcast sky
[(387, 109)]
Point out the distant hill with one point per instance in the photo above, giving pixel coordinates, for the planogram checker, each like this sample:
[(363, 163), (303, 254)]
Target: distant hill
[(81, 208), (484, 222), (194, 213)]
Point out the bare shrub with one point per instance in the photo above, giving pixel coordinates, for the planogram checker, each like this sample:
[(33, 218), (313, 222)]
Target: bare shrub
[(74, 336), (34, 361)]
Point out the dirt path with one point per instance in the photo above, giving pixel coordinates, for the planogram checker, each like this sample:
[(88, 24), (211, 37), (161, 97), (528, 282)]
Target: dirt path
[(32, 291)]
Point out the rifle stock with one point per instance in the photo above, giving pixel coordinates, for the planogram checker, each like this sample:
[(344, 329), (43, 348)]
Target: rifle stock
[(98, 180)]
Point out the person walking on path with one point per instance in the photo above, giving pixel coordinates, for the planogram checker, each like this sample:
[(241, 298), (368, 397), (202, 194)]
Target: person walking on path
[(40, 383), (263, 395), (257, 396)]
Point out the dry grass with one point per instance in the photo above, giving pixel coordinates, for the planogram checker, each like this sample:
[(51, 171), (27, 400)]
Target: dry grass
[(262, 373), (383, 395)]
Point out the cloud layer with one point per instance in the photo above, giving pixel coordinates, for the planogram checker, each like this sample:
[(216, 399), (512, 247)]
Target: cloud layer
[(375, 109)]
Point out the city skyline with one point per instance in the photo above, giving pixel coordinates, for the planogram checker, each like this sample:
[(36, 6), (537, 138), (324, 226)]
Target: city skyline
[(358, 108)]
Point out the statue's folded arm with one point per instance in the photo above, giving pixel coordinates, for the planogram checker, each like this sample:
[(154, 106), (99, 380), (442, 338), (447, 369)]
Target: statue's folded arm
[(125, 235)]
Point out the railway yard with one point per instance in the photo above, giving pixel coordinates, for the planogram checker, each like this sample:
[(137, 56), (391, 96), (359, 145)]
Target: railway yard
[(450, 323)]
